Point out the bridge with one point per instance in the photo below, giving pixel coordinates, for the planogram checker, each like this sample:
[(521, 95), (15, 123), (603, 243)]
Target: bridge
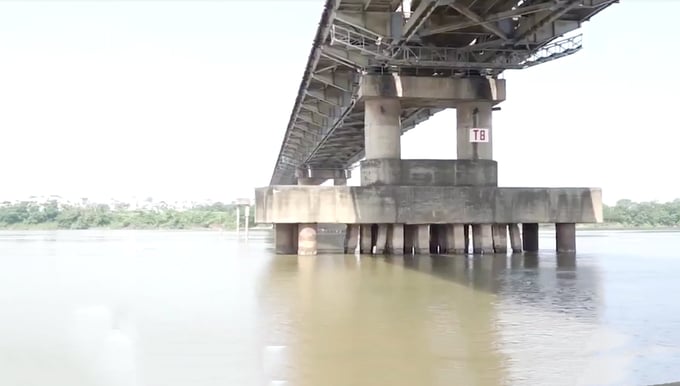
[(377, 69)]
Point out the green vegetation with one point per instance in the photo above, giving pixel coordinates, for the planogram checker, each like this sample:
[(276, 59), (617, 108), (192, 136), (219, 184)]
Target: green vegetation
[(627, 213), (51, 215)]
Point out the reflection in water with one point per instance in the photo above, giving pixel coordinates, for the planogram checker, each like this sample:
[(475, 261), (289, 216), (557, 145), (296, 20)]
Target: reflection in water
[(363, 321), (541, 301)]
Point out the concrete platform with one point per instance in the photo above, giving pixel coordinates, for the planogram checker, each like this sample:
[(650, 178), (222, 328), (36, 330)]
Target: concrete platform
[(426, 205)]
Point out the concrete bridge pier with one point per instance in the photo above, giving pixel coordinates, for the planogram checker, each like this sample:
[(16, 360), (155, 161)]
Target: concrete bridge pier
[(424, 206), (311, 176)]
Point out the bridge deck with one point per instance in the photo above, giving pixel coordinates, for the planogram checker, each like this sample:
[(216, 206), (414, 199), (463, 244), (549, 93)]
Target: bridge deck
[(432, 38)]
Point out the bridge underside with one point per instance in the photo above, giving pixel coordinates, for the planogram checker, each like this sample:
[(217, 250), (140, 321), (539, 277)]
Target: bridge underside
[(380, 67)]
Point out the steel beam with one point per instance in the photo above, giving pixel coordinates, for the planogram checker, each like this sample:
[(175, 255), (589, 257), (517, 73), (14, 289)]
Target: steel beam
[(465, 11), (465, 22)]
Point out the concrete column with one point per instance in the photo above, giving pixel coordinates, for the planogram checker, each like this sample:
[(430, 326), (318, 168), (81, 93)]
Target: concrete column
[(395, 239), (473, 115), (565, 234), (442, 239), (381, 239), (409, 238), (352, 238), (530, 237), (455, 239), (500, 238), (422, 239), (437, 233), (482, 239), (466, 234), (340, 181), (307, 239), (366, 239), (515, 238), (382, 128), (382, 137), (285, 239)]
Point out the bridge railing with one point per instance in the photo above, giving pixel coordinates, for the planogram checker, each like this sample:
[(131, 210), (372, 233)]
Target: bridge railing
[(555, 50)]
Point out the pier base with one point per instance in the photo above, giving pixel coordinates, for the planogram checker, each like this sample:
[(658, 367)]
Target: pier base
[(414, 219)]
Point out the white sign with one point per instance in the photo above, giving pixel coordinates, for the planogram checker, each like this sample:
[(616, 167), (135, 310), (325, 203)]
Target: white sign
[(479, 135)]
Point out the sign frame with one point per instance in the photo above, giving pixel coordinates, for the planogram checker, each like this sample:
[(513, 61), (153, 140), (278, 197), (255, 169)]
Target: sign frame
[(479, 135)]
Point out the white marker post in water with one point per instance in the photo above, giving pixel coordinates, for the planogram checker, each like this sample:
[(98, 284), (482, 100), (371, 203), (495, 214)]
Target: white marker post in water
[(245, 202)]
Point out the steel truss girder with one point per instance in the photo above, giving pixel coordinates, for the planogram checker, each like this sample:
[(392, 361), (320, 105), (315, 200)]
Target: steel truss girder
[(459, 23), (444, 57)]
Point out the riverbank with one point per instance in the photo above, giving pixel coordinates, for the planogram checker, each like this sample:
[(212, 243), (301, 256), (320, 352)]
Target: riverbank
[(53, 216), (196, 227)]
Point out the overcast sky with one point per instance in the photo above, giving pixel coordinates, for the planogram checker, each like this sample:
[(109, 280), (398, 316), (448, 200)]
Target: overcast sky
[(190, 100)]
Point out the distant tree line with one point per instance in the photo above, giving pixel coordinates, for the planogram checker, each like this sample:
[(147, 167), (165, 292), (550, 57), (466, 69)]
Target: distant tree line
[(643, 214), (51, 215)]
